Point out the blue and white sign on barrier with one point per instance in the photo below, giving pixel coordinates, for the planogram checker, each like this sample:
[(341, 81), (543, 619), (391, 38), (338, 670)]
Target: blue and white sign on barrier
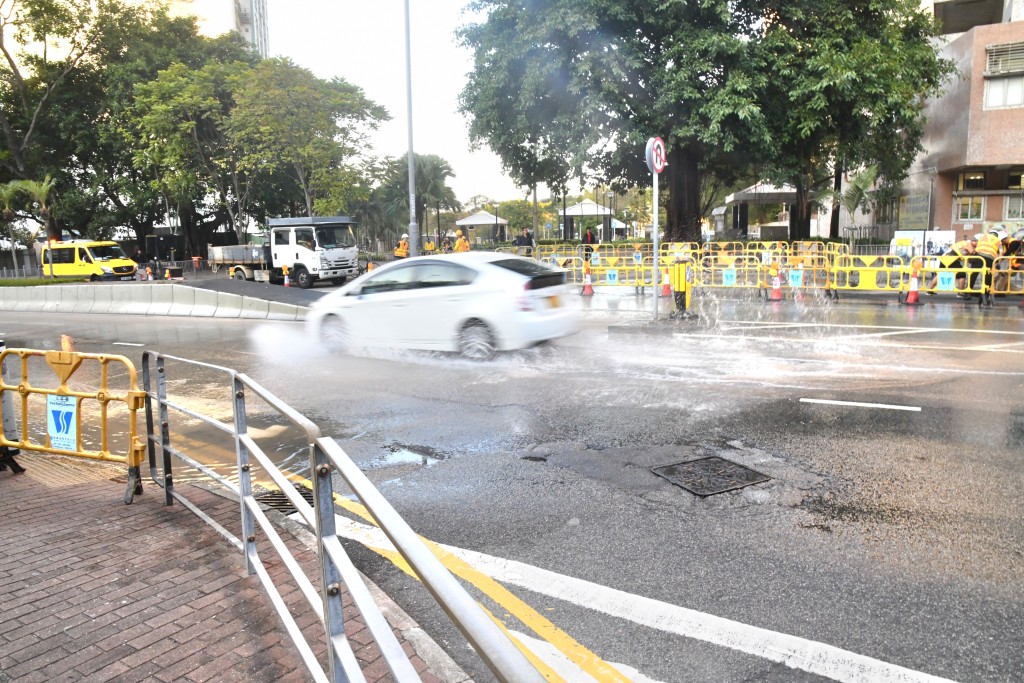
[(612, 277), (946, 282), (595, 260), (729, 277), (638, 257), (61, 421), (796, 278)]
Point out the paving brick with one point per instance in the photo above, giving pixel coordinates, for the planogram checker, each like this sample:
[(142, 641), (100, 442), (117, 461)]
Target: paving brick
[(143, 592)]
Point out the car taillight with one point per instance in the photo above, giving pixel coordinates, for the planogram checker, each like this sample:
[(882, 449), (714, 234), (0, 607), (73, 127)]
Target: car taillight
[(522, 298)]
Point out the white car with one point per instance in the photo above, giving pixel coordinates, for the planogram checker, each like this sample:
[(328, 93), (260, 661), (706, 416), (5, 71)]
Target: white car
[(474, 303)]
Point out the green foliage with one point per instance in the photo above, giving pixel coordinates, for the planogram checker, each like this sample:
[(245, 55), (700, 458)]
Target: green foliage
[(565, 89)]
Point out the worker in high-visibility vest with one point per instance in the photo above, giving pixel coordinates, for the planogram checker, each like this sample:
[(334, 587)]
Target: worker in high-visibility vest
[(1013, 261), (402, 250), (428, 247), (961, 250), (989, 248), (461, 243)]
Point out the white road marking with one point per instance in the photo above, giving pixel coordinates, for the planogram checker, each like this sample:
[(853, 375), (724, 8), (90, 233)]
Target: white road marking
[(127, 344), (856, 404), (793, 651)]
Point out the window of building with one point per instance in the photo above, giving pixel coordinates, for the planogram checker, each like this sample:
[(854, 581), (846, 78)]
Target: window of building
[(973, 180), (1004, 76), (968, 209), (1014, 210), (1013, 180)]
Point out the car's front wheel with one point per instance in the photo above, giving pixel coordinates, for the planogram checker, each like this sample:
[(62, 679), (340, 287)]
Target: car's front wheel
[(476, 341), (334, 334)]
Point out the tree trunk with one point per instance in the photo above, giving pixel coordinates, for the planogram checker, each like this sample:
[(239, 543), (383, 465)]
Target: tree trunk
[(837, 185), (683, 202)]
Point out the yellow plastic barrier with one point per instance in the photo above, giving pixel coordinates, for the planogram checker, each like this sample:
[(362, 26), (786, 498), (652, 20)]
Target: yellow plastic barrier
[(867, 273), (1009, 275), (938, 274), (63, 411)]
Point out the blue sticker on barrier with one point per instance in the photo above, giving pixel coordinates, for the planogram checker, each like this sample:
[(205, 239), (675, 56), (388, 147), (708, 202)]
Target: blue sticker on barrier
[(612, 277), (595, 260), (729, 277), (638, 257), (796, 278), (946, 282)]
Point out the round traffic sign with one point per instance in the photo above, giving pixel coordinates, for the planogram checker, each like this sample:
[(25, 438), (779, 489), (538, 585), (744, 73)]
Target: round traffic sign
[(655, 155)]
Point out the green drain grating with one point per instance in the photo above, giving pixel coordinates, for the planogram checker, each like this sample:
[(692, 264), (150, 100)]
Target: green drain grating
[(711, 475), (279, 501)]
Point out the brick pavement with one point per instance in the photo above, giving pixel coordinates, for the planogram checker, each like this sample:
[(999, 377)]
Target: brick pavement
[(92, 589)]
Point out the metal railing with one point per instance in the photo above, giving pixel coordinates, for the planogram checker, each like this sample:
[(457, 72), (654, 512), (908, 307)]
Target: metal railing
[(326, 459)]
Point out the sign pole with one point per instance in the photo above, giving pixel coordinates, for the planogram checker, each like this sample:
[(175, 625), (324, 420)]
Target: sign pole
[(656, 157), (657, 266)]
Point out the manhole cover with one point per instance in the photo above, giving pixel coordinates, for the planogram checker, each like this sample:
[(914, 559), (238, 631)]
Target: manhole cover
[(278, 501), (711, 475)]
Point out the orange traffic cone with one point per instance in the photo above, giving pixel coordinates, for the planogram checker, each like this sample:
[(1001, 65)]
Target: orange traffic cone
[(588, 290), (912, 299), (286, 282), (666, 288), (776, 294)]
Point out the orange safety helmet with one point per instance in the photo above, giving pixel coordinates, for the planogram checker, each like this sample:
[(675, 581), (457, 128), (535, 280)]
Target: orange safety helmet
[(458, 233)]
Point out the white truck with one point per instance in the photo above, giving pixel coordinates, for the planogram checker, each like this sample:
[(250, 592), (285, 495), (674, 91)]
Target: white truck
[(320, 248)]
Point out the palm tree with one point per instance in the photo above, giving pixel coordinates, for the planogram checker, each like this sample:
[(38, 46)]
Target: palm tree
[(7, 194), (859, 193), (432, 173), (39, 191)]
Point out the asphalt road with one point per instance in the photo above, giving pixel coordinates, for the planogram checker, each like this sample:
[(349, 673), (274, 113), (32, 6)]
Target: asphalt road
[(885, 544)]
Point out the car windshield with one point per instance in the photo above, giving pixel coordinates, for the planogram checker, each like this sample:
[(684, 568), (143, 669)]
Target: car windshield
[(107, 252), (335, 236)]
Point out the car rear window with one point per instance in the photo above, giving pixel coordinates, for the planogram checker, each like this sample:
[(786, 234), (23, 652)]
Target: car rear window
[(540, 275)]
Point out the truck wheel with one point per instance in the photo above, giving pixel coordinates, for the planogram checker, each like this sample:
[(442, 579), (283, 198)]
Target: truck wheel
[(476, 341), (239, 274), (302, 278), (334, 334)]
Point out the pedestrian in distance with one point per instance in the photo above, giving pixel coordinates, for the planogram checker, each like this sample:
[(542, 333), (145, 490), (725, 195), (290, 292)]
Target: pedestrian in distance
[(589, 240), (524, 241), (461, 243), (402, 250)]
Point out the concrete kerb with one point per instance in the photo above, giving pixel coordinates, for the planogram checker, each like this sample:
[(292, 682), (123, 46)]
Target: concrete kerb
[(83, 300), (279, 311), (228, 305), (254, 308), (205, 302), (161, 300), (103, 298), (183, 300), (144, 299)]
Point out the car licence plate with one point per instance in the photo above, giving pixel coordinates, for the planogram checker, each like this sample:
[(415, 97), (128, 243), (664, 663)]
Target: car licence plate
[(554, 301)]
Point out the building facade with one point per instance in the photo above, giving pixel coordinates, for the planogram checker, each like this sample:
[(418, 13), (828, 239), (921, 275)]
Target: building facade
[(969, 177), (216, 17)]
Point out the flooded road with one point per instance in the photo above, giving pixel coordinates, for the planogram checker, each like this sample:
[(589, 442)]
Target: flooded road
[(886, 537)]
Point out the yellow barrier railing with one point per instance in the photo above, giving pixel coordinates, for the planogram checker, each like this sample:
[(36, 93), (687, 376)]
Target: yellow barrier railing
[(63, 406)]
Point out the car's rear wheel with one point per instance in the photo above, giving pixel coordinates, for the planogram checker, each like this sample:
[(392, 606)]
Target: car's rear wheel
[(334, 334), (476, 341)]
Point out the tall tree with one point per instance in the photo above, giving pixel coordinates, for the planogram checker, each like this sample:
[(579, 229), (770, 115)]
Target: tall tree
[(565, 89), (311, 129), (848, 80), (432, 173)]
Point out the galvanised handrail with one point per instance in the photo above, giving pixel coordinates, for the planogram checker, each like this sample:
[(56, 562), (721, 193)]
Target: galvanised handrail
[(336, 569)]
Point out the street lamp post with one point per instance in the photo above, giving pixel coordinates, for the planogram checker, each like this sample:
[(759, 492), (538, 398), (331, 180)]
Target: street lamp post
[(611, 198), (414, 229)]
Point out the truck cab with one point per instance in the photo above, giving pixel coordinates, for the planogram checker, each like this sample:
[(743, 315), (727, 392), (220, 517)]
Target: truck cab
[(320, 248)]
